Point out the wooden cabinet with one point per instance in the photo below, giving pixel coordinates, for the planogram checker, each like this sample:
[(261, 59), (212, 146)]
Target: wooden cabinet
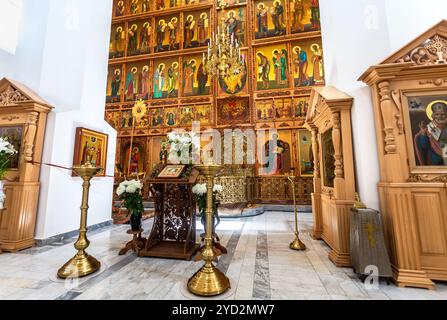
[(409, 91), (23, 117), (329, 120)]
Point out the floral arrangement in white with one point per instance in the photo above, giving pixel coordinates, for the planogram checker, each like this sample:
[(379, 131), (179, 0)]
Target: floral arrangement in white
[(218, 188), (130, 193), (2, 199), (201, 189), (6, 147), (7, 151), (133, 186), (184, 148)]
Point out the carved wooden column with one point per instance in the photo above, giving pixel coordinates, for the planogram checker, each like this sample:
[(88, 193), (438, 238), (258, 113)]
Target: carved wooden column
[(338, 155), (30, 135), (316, 196), (388, 111), (23, 112)]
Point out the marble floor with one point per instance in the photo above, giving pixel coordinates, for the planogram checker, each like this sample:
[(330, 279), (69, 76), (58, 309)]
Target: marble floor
[(259, 263)]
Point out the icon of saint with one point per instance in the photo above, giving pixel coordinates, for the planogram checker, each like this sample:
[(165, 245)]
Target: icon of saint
[(431, 141), (262, 20), (159, 81)]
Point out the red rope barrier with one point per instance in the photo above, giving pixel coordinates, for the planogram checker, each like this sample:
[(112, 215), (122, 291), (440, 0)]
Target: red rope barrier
[(60, 167)]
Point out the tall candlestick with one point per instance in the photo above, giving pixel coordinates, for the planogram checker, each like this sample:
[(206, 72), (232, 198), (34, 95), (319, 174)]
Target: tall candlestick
[(209, 281), (82, 264)]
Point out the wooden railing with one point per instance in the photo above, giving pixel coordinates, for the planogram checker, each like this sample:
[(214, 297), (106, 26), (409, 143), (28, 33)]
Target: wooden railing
[(279, 190), (251, 190)]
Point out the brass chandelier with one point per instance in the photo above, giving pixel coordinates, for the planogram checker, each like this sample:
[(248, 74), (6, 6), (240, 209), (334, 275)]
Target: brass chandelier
[(224, 58)]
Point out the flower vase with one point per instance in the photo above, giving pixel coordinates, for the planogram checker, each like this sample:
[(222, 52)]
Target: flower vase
[(203, 220), (135, 222), (2, 195)]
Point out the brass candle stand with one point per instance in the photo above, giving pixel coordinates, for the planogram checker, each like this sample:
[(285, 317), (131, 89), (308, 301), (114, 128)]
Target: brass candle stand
[(209, 281), (82, 264), (297, 244)]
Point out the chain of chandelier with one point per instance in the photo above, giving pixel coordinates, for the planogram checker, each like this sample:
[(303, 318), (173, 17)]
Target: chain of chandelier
[(224, 57)]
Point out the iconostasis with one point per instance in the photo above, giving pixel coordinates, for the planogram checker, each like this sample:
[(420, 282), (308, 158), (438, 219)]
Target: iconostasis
[(156, 54)]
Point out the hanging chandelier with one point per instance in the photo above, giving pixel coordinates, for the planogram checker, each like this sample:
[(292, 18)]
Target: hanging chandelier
[(224, 58)]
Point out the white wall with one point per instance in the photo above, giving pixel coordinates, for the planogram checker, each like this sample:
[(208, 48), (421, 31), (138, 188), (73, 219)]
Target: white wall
[(356, 35), (25, 65), (74, 75), (407, 19), (62, 55)]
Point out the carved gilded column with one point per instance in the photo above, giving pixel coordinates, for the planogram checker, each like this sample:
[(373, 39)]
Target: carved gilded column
[(296, 160)]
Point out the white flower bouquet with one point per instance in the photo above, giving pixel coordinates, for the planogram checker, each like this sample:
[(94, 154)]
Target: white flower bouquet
[(200, 191), (130, 193), (183, 148), (133, 186), (7, 152)]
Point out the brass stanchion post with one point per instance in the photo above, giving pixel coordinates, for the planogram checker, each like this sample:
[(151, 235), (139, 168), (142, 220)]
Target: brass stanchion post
[(209, 281), (297, 244), (82, 264)]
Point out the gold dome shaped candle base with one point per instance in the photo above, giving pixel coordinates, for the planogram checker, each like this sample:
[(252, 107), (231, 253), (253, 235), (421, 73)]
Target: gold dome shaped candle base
[(209, 282), (297, 244), (82, 264)]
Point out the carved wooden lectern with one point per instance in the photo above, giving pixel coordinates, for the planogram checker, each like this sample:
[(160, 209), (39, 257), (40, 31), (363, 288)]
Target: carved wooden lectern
[(23, 117), (174, 231)]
